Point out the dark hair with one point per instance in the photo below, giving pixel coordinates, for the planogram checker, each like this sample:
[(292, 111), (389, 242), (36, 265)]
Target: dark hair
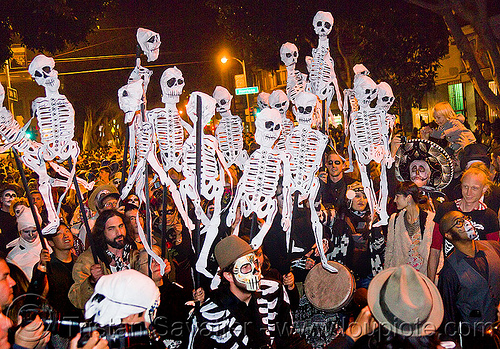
[(51, 236), (409, 188), (100, 239)]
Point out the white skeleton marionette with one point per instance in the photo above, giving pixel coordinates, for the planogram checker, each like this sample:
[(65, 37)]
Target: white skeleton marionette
[(169, 132), (369, 137), (263, 100), (256, 191), (56, 121), (229, 132), (149, 42), (322, 77), (295, 80), (305, 147), (279, 101), (213, 169)]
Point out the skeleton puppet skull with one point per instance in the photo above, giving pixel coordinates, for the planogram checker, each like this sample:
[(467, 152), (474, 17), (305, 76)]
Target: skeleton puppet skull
[(385, 96), (223, 98), (263, 100), (208, 107), (365, 90), (278, 100), (171, 83), (289, 54), (304, 108), (323, 23), (268, 127), (149, 42), (42, 70), (130, 96)]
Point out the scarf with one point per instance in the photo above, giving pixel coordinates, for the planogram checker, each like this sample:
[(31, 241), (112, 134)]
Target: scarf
[(121, 263)]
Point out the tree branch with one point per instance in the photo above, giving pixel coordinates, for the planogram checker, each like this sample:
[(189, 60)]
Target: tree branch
[(428, 6)]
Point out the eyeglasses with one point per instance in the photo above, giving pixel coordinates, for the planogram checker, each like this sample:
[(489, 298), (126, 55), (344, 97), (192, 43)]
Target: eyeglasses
[(331, 162), (459, 223)]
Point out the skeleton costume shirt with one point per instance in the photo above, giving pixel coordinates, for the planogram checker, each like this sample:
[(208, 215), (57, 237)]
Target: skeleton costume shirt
[(484, 220)]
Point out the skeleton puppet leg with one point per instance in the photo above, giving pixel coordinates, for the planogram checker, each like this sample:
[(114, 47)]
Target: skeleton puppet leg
[(367, 187), (384, 192), (318, 227), (271, 213)]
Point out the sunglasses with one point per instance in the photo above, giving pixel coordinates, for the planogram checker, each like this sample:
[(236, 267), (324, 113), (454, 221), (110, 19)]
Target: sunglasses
[(331, 162), (9, 195)]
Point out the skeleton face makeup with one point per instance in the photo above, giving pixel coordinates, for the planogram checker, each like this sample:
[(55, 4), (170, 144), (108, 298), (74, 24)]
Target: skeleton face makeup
[(323, 23), (420, 172), (149, 42), (304, 108), (42, 70), (268, 125), (263, 100), (130, 97), (279, 101), (223, 98), (247, 271), (171, 83), (385, 96), (208, 107), (365, 90), (289, 54)]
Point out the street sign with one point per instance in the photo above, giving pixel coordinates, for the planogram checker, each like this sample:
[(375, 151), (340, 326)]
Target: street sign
[(12, 93), (239, 81), (246, 90), (18, 60)]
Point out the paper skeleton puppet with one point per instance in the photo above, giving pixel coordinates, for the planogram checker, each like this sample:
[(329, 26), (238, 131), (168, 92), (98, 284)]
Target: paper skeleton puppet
[(56, 121), (322, 77), (263, 100), (279, 101), (149, 42), (213, 168), (369, 137), (256, 190), (295, 81), (229, 131), (305, 147)]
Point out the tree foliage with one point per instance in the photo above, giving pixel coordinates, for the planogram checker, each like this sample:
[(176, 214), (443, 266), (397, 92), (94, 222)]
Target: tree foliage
[(476, 13), (398, 42), (48, 25)]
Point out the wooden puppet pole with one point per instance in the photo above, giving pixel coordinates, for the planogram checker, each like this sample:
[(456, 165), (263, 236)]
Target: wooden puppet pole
[(19, 165), (89, 237), (199, 139), (164, 223)]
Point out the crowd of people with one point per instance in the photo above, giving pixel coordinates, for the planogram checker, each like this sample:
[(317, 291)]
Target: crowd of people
[(428, 279)]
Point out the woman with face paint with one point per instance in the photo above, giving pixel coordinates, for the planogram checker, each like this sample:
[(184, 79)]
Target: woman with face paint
[(474, 184), (410, 230)]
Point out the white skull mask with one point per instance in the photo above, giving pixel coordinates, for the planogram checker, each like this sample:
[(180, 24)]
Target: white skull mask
[(208, 108), (149, 42), (289, 54), (223, 99), (278, 100), (323, 23), (42, 70), (246, 270), (130, 97), (172, 84), (268, 126), (365, 90), (304, 108), (385, 96), (263, 100)]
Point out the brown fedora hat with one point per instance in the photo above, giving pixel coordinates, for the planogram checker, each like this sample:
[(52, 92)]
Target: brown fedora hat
[(405, 301)]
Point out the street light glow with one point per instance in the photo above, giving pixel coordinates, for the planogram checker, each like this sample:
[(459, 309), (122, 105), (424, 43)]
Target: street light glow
[(224, 60)]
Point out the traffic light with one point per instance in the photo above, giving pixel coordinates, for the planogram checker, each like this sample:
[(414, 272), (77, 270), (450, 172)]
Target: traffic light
[(32, 133)]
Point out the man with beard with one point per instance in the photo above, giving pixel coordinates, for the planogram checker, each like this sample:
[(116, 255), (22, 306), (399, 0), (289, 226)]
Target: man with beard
[(469, 282), (115, 249)]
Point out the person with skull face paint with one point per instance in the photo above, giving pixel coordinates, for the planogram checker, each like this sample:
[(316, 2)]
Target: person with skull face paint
[(469, 282), (475, 183), (246, 310), (9, 225)]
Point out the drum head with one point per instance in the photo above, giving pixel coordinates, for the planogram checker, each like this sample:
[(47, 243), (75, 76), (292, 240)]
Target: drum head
[(329, 291)]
